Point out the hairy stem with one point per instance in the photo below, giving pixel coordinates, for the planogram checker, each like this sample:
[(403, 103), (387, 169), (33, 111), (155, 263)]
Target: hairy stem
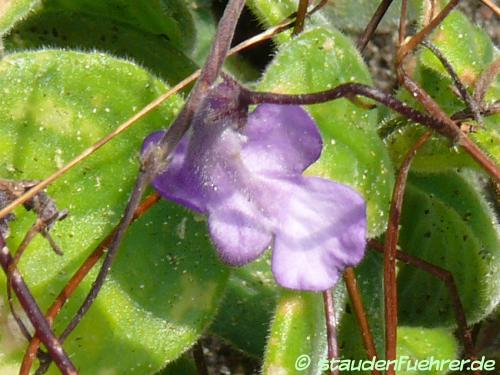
[(471, 102), (34, 313), (373, 24), (448, 125)]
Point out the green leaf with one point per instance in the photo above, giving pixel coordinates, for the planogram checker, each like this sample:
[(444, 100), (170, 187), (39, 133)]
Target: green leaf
[(298, 333), (466, 46), (353, 15), (249, 303), (12, 11), (432, 347), (66, 29), (167, 281), (353, 154), (270, 13), (169, 18), (205, 25), (182, 366), (446, 221)]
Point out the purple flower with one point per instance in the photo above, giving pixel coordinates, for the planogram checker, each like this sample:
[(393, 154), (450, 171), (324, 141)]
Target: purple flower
[(244, 171)]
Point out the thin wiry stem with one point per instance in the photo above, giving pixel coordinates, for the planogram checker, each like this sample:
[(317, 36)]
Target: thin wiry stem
[(410, 45), (350, 89), (89, 151), (390, 249), (451, 129), (141, 184), (469, 100), (208, 75), (373, 24), (488, 110), (331, 328), (441, 123), (301, 17), (447, 278), (77, 278), (359, 310), (490, 4), (34, 313)]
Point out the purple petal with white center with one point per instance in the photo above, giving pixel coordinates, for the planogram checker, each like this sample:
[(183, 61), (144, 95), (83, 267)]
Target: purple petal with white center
[(245, 173), (281, 139)]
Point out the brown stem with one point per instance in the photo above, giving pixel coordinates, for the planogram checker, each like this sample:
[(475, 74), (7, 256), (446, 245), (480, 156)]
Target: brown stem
[(390, 249), (450, 129), (489, 110), (373, 24), (490, 4), (409, 46), (447, 278), (478, 155), (331, 328), (75, 281), (359, 310), (349, 90), (301, 17), (34, 313)]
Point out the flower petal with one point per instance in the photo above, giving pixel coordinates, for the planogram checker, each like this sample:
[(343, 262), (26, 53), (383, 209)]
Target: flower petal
[(239, 230), (281, 138), (178, 183), (322, 230)]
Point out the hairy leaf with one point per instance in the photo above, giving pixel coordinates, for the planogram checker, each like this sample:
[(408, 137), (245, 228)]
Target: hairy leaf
[(62, 28), (248, 306), (167, 281), (433, 348), (447, 222), (12, 11), (298, 333)]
